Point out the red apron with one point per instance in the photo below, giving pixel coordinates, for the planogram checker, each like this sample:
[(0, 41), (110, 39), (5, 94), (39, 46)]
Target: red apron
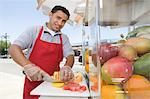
[(47, 56)]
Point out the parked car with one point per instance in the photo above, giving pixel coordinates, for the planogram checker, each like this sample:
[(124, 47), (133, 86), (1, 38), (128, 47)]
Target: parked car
[(80, 58)]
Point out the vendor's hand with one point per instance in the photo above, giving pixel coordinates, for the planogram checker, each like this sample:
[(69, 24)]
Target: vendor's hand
[(66, 73), (34, 73)]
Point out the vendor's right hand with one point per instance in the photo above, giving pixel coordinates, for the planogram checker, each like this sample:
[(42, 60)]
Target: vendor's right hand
[(34, 73)]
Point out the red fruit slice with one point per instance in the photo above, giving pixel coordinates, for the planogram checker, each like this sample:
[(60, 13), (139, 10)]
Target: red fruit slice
[(74, 87)]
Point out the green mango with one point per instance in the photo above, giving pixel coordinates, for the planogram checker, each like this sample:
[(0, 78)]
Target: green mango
[(135, 32), (142, 65)]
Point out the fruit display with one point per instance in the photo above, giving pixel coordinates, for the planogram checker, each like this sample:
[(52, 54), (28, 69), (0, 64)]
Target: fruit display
[(125, 69)]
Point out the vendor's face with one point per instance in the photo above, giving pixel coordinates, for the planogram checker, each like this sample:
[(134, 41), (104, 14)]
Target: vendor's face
[(57, 20)]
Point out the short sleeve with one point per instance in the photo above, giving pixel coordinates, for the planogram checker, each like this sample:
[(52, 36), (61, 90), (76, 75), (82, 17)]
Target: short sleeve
[(67, 47), (25, 39)]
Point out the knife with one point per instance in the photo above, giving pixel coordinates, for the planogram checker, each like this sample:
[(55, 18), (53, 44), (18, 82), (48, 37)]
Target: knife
[(48, 78)]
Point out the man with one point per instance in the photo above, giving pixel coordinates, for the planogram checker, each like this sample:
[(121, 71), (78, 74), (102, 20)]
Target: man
[(46, 48)]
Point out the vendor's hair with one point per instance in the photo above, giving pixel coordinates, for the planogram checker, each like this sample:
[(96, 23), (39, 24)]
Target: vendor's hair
[(63, 9)]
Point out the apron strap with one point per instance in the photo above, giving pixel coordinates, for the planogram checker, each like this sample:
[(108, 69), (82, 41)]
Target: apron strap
[(40, 33)]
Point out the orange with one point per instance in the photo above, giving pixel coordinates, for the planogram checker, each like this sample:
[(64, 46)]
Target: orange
[(112, 92), (138, 87)]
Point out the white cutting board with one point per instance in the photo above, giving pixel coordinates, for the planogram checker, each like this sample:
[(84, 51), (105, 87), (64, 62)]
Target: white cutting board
[(45, 89)]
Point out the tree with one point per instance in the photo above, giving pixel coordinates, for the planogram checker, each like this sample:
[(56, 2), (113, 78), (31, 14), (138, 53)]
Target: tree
[(4, 45)]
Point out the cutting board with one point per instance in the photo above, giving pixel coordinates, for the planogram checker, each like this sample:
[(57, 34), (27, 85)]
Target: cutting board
[(46, 89)]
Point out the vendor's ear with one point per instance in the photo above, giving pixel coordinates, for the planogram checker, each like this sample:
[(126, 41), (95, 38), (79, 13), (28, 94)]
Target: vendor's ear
[(50, 14)]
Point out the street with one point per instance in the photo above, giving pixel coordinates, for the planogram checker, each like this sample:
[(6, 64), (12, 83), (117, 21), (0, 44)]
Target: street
[(12, 78)]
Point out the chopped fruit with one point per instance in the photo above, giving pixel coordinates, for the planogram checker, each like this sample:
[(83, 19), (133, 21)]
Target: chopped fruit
[(94, 88), (58, 84), (56, 76), (74, 87), (77, 77), (83, 88)]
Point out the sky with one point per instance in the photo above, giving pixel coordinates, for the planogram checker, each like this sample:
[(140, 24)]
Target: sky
[(18, 15)]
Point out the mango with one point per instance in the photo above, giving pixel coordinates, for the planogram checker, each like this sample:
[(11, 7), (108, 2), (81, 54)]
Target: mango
[(142, 65), (112, 92), (116, 68), (138, 87), (142, 45), (128, 52)]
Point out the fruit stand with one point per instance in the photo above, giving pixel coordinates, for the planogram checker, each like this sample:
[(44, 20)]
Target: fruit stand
[(116, 33), (116, 51)]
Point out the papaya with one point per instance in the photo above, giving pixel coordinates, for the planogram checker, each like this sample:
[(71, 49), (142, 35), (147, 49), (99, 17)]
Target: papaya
[(142, 45), (142, 65)]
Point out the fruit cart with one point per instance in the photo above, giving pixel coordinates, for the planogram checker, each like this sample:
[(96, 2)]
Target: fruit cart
[(116, 35), (116, 50)]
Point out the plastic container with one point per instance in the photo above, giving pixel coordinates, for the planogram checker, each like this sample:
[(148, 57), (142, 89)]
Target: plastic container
[(118, 58)]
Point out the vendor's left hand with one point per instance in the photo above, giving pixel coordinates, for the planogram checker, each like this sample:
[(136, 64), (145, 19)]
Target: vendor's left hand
[(66, 73)]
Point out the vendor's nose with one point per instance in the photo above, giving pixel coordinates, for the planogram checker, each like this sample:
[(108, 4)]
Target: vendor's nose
[(59, 22)]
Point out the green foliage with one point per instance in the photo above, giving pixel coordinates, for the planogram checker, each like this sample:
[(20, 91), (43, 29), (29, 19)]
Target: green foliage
[(3, 48)]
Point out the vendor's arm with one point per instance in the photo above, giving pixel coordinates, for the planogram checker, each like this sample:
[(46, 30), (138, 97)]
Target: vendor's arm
[(66, 70), (68, 51), (17, 55), (69, 61), (24, 41)]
